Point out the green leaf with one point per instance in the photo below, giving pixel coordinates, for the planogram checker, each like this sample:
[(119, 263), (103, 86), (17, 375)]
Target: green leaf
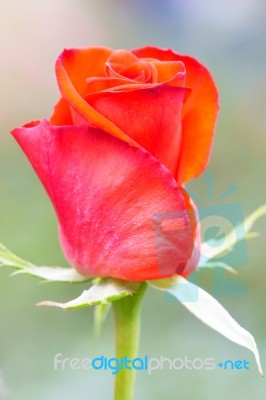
[(103, 292), (52, 274), (252, 218), (209, 311)]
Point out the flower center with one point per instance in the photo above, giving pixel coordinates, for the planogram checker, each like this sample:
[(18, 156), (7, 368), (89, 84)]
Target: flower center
[(123, 64)]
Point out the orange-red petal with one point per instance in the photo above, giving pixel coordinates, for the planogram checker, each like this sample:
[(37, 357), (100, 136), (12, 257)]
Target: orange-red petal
[(151, 117), (61, 114), (199, 112), (172, 72), (73, 67), (115, 203)]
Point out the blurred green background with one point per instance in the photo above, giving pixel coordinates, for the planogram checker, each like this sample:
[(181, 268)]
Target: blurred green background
[(229, 37)]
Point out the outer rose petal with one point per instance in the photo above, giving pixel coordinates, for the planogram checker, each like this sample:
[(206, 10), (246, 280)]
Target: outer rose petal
[(110, 200), (196, 231), (199, 112), (151, 117), (83, 63), (79, 64)]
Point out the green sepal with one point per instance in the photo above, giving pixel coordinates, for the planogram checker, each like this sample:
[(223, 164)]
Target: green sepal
[(51, 274), (217, 264), (206, 308), (104, 291), (243, 232)]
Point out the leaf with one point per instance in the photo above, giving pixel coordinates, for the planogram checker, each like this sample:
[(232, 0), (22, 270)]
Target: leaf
[(209, 311), (103, 292), (238, 233), (52, 274)]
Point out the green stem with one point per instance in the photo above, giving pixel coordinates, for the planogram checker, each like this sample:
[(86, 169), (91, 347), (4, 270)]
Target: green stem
[(127, 321)]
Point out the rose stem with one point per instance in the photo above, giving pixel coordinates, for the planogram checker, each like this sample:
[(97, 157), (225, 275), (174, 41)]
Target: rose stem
[(127, 321)]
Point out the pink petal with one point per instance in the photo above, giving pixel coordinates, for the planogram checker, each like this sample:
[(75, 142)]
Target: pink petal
[(120, 211)]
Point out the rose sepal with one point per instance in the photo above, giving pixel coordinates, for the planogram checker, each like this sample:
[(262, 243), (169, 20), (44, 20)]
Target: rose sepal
[(104, 291), (206, 308), (50, 274)]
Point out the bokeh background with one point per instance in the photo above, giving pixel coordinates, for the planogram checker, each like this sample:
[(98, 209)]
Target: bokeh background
[(229, 37)]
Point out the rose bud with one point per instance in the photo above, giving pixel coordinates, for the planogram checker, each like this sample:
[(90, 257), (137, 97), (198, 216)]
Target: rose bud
[(130, 129)]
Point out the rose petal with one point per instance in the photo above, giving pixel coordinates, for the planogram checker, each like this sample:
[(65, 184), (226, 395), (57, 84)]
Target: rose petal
[(73, 68), (172, 72), (123, 63), (199, 112), (80, 64), (83, 63), (193, 215), (62, 114), (110, 199), (151, 117), (100, 84)]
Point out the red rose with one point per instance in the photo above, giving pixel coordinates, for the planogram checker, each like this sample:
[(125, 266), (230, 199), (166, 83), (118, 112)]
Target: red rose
[(130, 129)]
